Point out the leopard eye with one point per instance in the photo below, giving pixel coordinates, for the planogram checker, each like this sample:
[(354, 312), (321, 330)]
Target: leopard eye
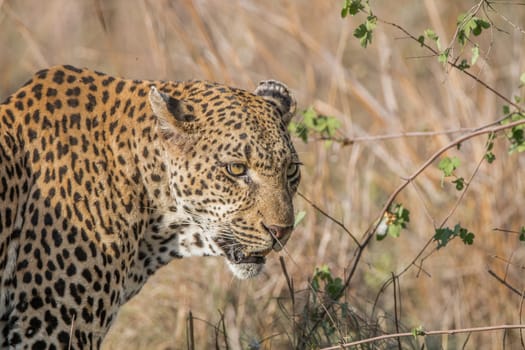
[(292, 171), (236, 169)]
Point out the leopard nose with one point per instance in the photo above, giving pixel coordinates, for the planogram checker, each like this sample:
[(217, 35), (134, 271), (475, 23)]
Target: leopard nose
[(280, 235)]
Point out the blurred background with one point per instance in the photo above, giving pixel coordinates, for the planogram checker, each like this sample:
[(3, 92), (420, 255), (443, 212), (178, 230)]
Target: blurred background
[(392, 87)]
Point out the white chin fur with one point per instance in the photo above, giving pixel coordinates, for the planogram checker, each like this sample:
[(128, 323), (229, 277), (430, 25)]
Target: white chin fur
[(245, 271)]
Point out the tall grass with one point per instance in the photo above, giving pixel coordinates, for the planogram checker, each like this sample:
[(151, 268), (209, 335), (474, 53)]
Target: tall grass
[(390, 88)]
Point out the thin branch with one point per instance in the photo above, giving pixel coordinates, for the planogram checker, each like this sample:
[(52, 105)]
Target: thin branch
[(505, 283), (347, 141), (372, 229), (455, 65), (426, 333), (394, 278), (506, 231), (331, 218), (370, 233), (450, 213)]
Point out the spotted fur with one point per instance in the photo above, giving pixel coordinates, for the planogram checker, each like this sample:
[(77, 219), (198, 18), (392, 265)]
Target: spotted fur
[(104, 180)]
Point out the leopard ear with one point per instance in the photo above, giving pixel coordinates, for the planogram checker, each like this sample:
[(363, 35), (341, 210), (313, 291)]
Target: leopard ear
[(280, 95), (173, 114)]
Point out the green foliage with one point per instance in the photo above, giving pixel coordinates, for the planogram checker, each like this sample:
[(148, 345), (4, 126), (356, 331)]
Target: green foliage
[(322, 125), (522, 234), (364, 31), (327, 290), (324, 281), (470, 24), (475, 55), (352, 7), (516, 134), (460, 183), (467, 24), (443, 56), (395, 219), (463, 64), (489, 155), (430, 34), (417, 331), (298, 218), (444, 235), (448, 165)]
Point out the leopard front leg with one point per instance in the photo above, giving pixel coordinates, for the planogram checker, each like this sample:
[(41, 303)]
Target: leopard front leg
[(46, 319)]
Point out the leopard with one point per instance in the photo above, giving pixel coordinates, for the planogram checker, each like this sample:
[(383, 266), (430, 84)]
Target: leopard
[(103, 180)]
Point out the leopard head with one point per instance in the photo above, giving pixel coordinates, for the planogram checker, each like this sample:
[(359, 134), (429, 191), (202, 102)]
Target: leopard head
[(232, 169)]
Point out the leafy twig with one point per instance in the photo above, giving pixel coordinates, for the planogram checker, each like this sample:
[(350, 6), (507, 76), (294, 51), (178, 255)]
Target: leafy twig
[(426, 333), (455, 65)]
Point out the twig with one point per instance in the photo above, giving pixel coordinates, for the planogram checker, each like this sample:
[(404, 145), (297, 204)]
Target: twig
[(426, 333), (370, 233), (505, 283), (394, 278), (331, 218), (70, 342), (455, 65), (189, 335), (225, 334), (372, 229), (289, 281), (521, 321), (347, 141)]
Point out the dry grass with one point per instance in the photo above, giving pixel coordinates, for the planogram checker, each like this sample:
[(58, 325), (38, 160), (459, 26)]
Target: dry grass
[(380, 90)]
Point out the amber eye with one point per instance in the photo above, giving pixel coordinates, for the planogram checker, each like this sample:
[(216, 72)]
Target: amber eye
[(293, 170), (236, 169)]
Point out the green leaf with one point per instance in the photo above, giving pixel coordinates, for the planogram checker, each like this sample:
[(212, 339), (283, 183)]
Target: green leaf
[(429, 33), (421, 40), (299, 129), (394, 220), (418, 331), (364, 31), (460, 183), (312, 122), (394, 230), (522, 234), (325, 281), (445, 235), (467, 237), (490, 157), (482, 23), (475, 55), (516, 135), (463, 65), (443, 56), (522, 79), (354, 7), (447, 165), (298, 218), (468, 24), (333, 288)]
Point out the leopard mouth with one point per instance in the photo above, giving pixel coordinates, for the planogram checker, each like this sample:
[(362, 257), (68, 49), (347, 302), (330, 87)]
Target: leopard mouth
[(245, 266), (238, 257)]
